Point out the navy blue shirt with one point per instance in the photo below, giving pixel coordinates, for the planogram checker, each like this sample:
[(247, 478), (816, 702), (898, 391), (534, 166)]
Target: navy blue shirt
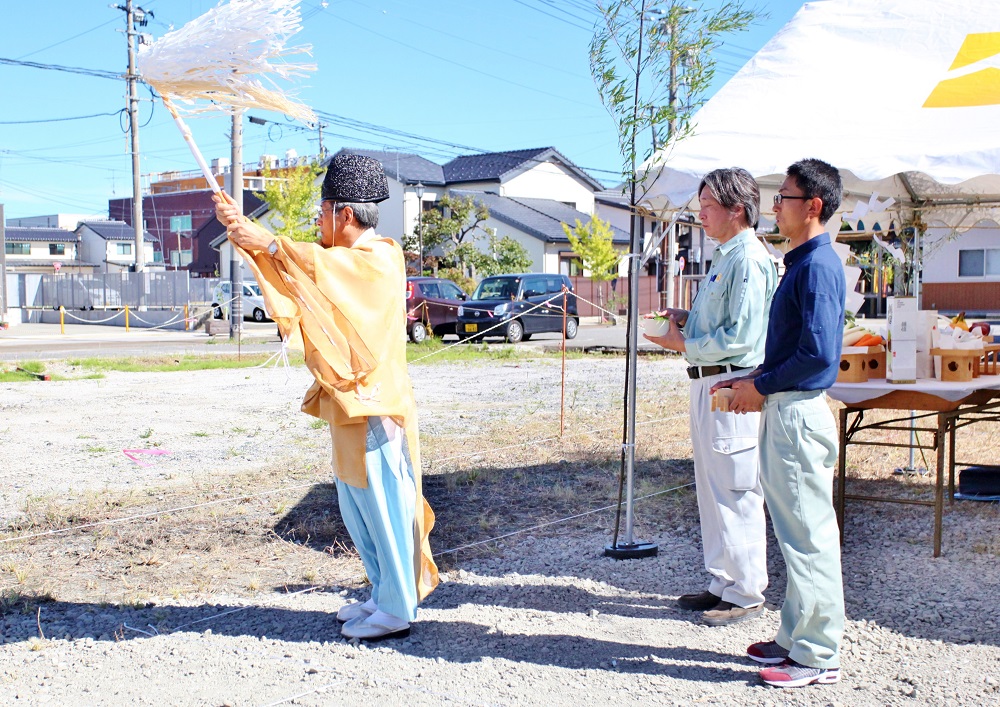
[(806, 326)]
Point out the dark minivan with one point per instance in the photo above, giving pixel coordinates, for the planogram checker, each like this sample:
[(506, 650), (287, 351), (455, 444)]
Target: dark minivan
[(431, 304), (516, 306)]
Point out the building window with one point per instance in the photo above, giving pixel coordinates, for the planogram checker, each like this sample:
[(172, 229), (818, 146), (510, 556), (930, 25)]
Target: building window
[(123, 248), (17, 248), (570, 265), (979, 262), (993, 261), (57, 249)]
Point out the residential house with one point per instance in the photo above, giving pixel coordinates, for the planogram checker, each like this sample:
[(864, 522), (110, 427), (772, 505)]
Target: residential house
[(529, 193), (111, 246), (537, 225), (44, 250), (68, 222), (963, 272)]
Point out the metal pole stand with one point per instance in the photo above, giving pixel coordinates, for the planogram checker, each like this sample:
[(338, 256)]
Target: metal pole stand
[(631, 551), (910, 469)]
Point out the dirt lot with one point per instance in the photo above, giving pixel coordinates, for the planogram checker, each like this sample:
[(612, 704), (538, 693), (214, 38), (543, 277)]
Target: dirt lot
[(208, 574)]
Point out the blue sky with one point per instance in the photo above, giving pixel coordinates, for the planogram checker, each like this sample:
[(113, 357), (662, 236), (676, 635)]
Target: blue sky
[(484, 74)]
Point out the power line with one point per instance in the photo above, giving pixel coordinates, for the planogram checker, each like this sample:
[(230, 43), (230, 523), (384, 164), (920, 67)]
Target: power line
[(56, 120), (97, 73), (480, 45), (555, 17), (460, 65), (68, 39)]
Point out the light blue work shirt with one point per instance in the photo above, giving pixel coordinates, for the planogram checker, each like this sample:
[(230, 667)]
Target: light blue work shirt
[(728, 320)]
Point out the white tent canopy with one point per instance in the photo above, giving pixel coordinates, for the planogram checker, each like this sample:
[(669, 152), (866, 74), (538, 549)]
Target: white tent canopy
[(903, 96)]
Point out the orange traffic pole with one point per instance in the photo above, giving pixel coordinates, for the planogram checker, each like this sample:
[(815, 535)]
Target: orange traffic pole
[(62, 320), (126, 319), (186, 322)]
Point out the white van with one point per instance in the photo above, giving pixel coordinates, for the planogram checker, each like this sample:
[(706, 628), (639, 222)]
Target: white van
[(253, 301)]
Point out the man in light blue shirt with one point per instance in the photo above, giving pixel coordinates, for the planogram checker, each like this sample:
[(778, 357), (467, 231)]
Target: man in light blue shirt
[(724, 332)]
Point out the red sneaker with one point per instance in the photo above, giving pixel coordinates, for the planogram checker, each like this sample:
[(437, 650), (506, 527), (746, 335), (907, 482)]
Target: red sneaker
[(792, 674), (768, 653)]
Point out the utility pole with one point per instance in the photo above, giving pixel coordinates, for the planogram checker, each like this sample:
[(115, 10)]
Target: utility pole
[(134, 15), (236, 191)]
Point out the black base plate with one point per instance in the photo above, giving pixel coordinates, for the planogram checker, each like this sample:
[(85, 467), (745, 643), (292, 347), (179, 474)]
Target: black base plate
[(633, 551)]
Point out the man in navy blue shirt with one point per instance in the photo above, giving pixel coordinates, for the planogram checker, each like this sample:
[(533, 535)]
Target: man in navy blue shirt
[(798, 434)]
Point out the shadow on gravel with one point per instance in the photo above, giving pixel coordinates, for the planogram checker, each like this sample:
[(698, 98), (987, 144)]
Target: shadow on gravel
[(475, 505), (457, 642)]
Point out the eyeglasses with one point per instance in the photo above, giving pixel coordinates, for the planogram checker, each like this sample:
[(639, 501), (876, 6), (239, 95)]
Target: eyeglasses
[(778, 198)]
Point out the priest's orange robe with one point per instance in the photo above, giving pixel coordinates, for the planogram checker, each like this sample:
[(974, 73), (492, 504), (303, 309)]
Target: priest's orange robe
[(345, 309)]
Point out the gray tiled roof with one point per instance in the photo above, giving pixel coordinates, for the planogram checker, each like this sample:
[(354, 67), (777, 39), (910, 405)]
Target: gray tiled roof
[(405, 167), (541, 218), (14, 262), (496, 166), (114, 230), (613, 196), (50, 235)]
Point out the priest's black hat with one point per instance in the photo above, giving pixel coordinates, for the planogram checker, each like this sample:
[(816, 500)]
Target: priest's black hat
[(355, 179)]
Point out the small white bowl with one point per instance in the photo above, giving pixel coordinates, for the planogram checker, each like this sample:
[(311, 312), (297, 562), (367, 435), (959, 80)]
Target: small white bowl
[(656, 327)]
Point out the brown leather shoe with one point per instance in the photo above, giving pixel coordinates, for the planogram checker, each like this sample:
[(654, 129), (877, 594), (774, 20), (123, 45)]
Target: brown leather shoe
[(702, 601), (726, 613)]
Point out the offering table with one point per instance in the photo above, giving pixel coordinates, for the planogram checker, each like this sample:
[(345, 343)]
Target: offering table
[(942, 406)]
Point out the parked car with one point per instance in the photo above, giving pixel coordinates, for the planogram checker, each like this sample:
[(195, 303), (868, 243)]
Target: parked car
[(103, 296), (253, 301), (515, 307), (431, 304)]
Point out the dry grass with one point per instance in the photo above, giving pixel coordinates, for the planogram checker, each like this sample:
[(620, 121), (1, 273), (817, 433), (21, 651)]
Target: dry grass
[(293, 538)]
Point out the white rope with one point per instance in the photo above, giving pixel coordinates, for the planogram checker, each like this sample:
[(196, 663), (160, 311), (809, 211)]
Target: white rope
[(437, 555), (92, 321), (177, 509), (483, 333), (552, 439), (596, 306), (151, 514), (176, 318), (561, 520)]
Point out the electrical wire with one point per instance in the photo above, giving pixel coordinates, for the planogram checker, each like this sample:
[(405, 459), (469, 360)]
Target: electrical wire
[(58, 120), (68, 39), (96, 73), (460, 65), (555, 17)]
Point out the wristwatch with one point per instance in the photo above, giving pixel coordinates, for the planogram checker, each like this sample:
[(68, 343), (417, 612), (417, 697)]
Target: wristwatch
[(273, 248)]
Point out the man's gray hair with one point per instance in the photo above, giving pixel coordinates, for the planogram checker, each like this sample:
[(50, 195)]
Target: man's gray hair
[(366, 214), (735, 187)]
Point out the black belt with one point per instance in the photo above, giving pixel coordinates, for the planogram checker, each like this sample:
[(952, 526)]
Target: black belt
[(696, 372)]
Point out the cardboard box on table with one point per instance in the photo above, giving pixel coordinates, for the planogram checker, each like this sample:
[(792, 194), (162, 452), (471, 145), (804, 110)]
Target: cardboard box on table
[(901, 359)]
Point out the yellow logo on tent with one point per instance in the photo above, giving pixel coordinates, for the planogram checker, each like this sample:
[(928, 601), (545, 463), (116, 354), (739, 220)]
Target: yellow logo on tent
[(980, 88)]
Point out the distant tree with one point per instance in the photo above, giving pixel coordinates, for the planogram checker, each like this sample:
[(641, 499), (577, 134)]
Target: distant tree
[(594, 243), (292, 199), (504, 255), (454, 227)]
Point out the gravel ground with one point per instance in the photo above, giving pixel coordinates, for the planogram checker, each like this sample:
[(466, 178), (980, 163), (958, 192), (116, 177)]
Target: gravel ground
[(543, 619)]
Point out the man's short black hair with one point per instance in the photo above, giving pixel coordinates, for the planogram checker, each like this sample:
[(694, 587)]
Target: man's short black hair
[(817, 179)]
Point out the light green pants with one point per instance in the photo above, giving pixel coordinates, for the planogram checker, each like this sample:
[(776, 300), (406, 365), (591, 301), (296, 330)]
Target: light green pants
[(798, 453)]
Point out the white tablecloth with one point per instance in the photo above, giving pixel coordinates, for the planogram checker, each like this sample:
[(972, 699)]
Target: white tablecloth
[(851, 393)]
